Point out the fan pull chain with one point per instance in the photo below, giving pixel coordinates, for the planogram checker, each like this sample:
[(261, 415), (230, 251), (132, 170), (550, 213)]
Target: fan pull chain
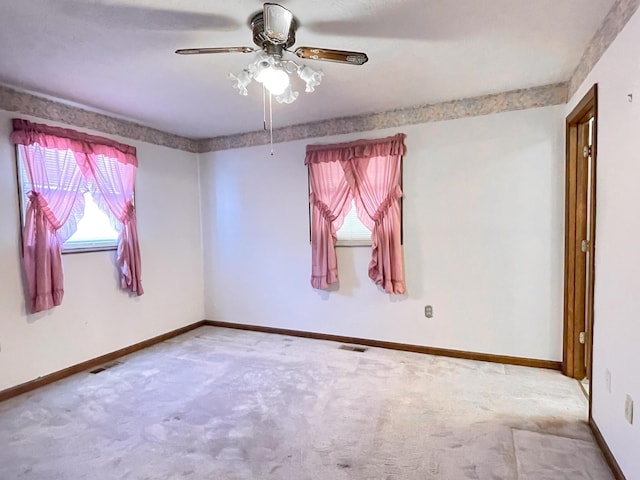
[(271, 122), (264, 109)]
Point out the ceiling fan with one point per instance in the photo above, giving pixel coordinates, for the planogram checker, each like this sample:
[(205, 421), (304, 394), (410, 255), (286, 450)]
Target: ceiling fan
[(274, 32)]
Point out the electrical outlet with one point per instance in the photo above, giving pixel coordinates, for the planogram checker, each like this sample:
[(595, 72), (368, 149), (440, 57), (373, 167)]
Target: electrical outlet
[(628, 409), (428, 311), (607, 379)]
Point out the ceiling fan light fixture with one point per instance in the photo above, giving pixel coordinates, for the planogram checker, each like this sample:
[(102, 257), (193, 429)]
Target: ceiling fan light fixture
[(270, 72), (274, 32)]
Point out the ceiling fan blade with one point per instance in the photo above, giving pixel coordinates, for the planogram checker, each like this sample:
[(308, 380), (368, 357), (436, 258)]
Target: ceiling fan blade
[(197, 51), (328, 55), (277, 22)]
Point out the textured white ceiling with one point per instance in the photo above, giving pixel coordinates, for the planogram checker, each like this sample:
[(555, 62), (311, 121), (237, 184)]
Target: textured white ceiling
[(117, 56)]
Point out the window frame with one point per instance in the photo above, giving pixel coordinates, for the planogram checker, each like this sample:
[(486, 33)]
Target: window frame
[(87, 247)]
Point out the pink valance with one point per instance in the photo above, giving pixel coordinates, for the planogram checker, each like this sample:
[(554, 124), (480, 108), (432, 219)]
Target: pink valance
[(28, 133), (362, 148)]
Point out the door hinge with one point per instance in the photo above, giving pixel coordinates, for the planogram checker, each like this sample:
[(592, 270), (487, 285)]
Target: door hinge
[(584, 246), (581, 338), (587, 151)]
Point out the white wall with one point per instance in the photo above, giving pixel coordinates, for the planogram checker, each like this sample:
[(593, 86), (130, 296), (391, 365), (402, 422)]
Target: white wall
[(483, 240), (617, 254), (96, 317)]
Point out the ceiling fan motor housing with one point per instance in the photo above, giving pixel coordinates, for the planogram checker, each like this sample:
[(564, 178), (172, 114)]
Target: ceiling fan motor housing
[(261, 39)]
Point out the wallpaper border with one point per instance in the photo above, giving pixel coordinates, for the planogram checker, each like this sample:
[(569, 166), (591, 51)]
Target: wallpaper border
[(521, 99), (617, 18), (28, 104)]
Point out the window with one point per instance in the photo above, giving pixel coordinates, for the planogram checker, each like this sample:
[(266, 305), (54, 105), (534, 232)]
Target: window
[(368, 171), (353, 233), (57, 168), (96, 229)]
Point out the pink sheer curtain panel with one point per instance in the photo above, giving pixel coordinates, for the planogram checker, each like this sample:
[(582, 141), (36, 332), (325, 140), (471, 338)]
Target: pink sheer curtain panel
[(54, 179), (330, 200), (371, 171), (112, 188), (377, 204)]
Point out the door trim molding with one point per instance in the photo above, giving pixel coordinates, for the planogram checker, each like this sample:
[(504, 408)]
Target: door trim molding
[(587, 106)]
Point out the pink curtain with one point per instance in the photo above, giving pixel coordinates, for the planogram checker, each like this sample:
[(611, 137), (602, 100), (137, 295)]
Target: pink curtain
[(54, 179), (378, 192), (330, 200), (371, 171), (113, 188), (61, 164)]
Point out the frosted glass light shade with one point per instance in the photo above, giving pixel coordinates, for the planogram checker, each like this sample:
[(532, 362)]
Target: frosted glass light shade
[(241, 81), (310, 76), (275, 80), (288, 96)]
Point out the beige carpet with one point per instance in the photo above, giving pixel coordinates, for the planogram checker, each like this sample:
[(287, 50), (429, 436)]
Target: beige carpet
[(223, 404)]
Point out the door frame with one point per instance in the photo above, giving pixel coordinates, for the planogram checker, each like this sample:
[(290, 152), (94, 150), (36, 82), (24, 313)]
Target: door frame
[(572, 349)]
